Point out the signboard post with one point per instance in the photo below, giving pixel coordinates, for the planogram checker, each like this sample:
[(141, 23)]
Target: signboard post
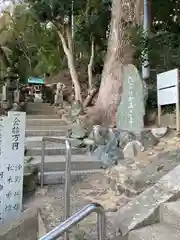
[(12, 139), (168, 92)]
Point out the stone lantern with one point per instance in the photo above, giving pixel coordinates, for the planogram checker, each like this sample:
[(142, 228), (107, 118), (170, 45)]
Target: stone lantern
[(11, 79)]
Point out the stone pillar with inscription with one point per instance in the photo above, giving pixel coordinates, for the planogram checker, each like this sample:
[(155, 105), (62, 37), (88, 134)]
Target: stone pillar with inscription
[(131, 110), (12, 139)]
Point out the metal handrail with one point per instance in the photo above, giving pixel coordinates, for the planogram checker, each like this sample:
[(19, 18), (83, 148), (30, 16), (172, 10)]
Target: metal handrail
[(55, 140), (67, 172), (76, 218)]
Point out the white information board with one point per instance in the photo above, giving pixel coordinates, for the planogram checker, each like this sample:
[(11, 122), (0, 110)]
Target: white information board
[(167, 87), (12, 133), (168, 91)]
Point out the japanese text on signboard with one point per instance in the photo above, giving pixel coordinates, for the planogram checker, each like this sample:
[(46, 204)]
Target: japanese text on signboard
[(15, 134)]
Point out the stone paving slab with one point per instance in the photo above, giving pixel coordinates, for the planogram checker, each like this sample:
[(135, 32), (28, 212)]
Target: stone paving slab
[(170, 214), (144, 209), (155, 232)]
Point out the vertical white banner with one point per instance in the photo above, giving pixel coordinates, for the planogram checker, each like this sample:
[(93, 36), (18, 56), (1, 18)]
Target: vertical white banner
[(14, 166)]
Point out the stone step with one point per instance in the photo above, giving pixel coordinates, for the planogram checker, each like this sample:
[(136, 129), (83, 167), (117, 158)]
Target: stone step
[(46, 132), (49, 128), (32, 142), (38, 105), (38, 116), (57, 163), (38, 108), (50, 151), (45, 122), (155, 232), (58, 177), (170, 213)]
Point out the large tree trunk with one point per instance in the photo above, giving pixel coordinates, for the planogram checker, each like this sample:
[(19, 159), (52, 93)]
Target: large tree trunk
[(67, 44), (125, 13)]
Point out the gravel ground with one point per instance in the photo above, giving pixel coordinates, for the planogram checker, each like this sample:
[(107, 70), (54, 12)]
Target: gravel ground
[(50, 201)]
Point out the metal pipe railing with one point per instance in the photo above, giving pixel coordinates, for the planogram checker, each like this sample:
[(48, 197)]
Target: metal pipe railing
[(76, 218), (67, 183), (55, 140), (67, 172)]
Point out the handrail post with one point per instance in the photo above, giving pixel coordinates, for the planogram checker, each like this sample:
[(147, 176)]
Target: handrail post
[(67, 183), (101, 227), (42, 163)]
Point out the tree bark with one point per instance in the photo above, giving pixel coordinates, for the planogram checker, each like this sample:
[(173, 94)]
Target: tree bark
[(120, 52), (3, 57), (68, 49), (90, 65), (89, 97)]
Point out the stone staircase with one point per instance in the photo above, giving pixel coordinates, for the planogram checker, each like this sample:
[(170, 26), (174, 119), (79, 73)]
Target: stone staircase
[(167, 228), (43, 122)]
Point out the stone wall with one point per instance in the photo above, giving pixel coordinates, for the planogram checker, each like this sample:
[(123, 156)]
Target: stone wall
[(25, 228)]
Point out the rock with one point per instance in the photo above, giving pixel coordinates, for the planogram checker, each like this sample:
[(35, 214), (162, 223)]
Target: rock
[(60, 111), (77, 143), (100, 134), (108, 156), (66, 118), (110, 206), (159, 132), (132, 149), (148, 139), (29, 169), (124, 138), (76, 109), (78, 132), (129, 151), (16, 107), (88, 142)]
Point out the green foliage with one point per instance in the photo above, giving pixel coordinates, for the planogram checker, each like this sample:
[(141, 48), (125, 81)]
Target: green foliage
[(166, 15), (56, 11), (91, 22), (35, 49)]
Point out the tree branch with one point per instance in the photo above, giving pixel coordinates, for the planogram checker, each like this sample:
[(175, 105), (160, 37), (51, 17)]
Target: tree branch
[(69, 38), (90, 65)]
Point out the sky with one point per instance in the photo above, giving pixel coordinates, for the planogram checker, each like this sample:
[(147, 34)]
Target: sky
[(4, 4)]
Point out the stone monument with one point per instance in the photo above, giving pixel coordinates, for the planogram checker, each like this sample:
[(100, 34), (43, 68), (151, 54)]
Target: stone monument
[(131, 110), (58, 98)]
